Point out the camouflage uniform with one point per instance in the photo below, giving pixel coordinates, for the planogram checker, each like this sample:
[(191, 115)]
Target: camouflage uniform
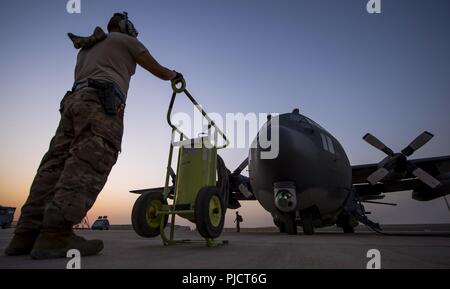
[(74, 170)]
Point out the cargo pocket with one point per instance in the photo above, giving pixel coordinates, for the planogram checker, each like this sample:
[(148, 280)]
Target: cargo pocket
[(111, 131), (97, 152), (61, 104)]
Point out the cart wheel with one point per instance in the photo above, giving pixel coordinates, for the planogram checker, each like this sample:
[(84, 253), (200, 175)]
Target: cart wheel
[(209, 212), (144, 219)]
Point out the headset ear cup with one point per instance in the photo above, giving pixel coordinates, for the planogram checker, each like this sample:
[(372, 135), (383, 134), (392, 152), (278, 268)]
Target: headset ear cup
[(122, 26), (131, 30), (126, 26)]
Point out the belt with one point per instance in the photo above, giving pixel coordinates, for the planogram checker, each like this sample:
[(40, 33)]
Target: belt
[(99, 85)]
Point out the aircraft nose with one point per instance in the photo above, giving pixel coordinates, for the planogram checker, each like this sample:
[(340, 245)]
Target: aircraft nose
[(292, 149)]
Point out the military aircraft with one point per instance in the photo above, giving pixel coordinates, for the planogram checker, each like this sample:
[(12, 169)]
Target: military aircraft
[(312, 184)]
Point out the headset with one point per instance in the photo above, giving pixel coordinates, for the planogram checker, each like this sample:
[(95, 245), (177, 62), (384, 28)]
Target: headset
[(125, 25)]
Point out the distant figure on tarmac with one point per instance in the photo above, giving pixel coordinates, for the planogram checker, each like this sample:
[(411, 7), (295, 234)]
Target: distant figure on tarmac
[(238, 221), (86, 144)]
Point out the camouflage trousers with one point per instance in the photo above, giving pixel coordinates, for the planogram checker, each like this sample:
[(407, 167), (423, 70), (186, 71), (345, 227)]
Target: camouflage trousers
[(74, 170)]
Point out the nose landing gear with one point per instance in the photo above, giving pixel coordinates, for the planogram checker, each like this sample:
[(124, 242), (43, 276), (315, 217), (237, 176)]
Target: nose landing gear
[(287, 223), (307, 222)]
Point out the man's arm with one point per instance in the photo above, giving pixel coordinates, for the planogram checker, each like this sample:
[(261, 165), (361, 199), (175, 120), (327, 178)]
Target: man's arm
[(149, 63)]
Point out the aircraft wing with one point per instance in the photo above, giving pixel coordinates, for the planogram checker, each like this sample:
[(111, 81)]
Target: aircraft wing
[(434, 166)]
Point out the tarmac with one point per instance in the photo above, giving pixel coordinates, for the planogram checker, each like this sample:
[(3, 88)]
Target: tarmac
[(256, 249)]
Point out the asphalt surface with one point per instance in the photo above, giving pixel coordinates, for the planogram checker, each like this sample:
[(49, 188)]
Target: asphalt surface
[(252, 250)]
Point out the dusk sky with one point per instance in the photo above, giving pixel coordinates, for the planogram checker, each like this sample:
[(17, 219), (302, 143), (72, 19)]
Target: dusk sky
[(350, 71)]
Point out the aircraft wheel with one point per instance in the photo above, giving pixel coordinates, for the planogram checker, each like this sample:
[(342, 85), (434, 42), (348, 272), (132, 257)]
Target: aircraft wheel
[(347, 223), (348, 229), (209, 212), (279, 224), (282, 228), (308, 226), (143, 217), (290, 224)]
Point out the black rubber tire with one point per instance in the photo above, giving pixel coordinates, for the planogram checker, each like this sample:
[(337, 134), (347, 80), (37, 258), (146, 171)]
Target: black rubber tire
[(202, 220), (348, 229), (282, 228), (345, 222), (139, 218), (280, 225), (290, 225), (307, 224), (223, 181)]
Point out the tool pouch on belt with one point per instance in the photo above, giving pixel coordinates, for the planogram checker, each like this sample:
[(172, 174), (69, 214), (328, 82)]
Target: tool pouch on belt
[(109, 99), (108, 95)]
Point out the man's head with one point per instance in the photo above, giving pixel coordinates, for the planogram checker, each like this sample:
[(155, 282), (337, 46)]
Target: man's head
[(119, 23)]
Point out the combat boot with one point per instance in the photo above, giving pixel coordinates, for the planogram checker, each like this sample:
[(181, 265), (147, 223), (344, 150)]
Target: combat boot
[(55, 243), (22, 243)]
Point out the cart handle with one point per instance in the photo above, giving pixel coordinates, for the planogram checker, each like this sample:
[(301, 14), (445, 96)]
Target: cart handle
[(177, 90), (177, 81)]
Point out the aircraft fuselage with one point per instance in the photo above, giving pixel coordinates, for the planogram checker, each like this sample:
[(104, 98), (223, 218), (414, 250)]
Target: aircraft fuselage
[(310, 162)]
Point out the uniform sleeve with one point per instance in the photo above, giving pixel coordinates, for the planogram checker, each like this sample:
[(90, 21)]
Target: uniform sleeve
[(135, 47)]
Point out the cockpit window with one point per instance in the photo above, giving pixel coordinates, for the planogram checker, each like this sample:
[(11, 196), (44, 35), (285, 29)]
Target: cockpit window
[(313, 123)]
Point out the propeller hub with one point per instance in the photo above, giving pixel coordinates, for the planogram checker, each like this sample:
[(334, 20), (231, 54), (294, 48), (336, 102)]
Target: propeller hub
[(396, 165)]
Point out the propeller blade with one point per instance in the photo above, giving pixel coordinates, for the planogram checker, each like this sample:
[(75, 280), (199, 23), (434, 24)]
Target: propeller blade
[(244, 190), (377, 176), (372, 140), (241, 167), (417, 143), (425, 177)]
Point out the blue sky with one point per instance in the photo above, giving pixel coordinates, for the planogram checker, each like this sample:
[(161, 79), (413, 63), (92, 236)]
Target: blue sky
[(350, 71)]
